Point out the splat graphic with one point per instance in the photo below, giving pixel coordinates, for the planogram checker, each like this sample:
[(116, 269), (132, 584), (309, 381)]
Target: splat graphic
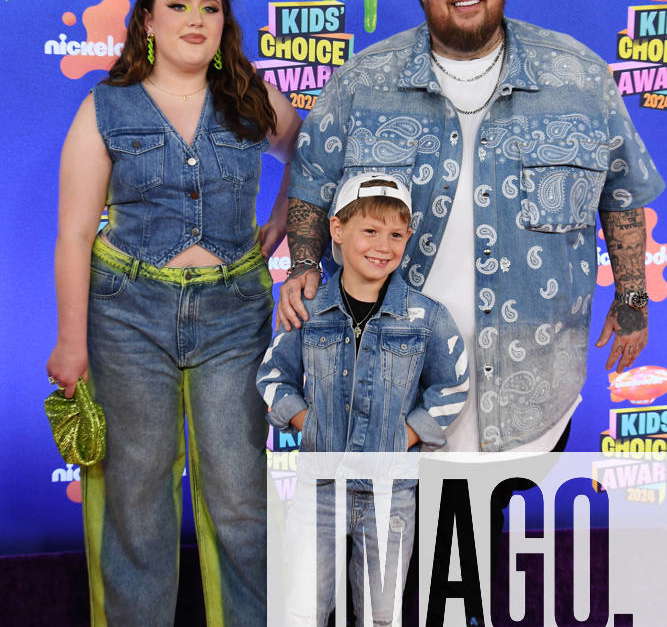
[(640, 386), (656, 262), (104, 22)]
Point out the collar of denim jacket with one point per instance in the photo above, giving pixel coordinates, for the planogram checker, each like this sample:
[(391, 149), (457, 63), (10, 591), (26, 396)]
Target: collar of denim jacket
[(518, 69), (395, 301)]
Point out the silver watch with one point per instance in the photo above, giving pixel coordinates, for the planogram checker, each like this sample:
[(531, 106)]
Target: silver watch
[(636, 300)]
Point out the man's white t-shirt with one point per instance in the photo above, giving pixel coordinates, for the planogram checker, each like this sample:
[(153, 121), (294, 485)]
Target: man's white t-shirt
[(452, 277)]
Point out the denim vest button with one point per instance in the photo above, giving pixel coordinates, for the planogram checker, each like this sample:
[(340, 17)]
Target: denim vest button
[(484, 141), (192, 161), (195, 231), (347, 407), (136, 144), (487, 251), (347, 340), (345, 372), (488, 369), (404, 347), (487, 310), (194, 195), (322, 340)]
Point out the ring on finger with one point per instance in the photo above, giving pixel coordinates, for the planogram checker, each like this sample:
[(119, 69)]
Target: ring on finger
[(52, 380)]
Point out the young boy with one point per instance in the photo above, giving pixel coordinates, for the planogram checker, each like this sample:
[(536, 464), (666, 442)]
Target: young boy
[(377, 367)]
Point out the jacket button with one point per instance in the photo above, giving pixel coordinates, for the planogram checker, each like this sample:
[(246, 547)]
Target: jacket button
[(345, 372), (347, 340), (487, 310), (404, 347), (194, 195), (484, 141), (347, 407), (192, 161), (195, 231), (488, 369), (487, 251), (136, 144), (322, 340)]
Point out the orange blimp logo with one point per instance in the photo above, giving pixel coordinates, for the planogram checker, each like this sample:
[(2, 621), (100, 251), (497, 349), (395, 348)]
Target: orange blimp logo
[(640, 386)]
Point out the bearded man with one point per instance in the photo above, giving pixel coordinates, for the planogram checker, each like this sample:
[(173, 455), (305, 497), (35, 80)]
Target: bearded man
[(511, 138)]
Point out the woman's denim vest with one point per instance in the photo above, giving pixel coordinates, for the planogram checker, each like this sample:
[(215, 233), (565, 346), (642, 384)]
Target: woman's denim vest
[(165, 195)]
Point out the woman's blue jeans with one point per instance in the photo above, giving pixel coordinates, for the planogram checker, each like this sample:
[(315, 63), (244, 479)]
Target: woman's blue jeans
[(158, 351)]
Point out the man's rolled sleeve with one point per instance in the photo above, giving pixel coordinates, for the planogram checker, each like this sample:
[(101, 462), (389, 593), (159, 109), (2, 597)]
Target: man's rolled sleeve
[(632, 179), (444, 381), (318, 163)]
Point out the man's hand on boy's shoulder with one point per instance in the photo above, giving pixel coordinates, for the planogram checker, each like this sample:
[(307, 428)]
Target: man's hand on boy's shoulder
[(291, 310), (298, 419)]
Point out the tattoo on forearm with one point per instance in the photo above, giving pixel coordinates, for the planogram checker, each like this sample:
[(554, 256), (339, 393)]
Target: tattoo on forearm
[(625, 233), (307, 231)]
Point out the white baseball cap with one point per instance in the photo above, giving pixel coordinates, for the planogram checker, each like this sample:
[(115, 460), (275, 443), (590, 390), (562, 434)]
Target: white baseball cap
[(351, 190)]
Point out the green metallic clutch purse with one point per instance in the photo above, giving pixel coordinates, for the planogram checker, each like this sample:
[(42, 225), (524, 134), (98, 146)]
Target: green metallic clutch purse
[(78, 425)]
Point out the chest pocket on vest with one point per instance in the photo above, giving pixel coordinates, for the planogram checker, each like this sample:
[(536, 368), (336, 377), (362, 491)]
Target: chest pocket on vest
[(138, 159), (401, 354), (239, 161), (322, 348)]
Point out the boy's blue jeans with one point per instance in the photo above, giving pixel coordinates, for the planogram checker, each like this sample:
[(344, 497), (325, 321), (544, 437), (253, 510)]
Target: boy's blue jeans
[(363, 532), (159, 350)]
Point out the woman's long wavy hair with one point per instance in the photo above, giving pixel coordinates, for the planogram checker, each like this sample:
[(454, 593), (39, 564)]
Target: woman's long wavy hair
[(238, 93)]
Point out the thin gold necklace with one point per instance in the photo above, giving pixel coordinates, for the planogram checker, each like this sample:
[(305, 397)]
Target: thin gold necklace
[(356, 326), (184, 96)]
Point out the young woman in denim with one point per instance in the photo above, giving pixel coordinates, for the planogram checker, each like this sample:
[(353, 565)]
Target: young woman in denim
[(171, 142), (384, 385)]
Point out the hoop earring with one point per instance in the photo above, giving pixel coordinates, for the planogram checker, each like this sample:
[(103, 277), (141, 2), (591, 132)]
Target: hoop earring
[(150, 48), (217, 59)]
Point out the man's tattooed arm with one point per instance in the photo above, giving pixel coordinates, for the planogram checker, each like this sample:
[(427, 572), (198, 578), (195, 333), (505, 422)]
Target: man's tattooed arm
[(625, 234), (307, 233)]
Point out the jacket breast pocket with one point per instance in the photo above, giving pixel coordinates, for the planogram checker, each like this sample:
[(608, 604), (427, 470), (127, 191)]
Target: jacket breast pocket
[(239, 160), (138, 159), (401, 354), (559, 198), (322, 352)]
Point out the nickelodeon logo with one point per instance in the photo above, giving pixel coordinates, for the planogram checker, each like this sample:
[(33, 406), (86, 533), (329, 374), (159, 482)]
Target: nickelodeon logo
[(104, 24)]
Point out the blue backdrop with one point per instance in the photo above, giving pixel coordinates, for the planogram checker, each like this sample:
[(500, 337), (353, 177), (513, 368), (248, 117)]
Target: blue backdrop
[(55, 51)]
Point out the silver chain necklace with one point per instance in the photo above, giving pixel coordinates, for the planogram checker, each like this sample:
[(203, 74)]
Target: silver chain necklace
[(446, 72), (356, 328), (501, 54)]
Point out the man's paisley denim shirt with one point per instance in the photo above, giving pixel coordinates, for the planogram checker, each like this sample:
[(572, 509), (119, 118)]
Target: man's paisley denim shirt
[(556, 144), (412, 368)]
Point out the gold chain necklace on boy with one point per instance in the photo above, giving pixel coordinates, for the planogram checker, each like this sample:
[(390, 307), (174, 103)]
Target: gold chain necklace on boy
[(356, 326), (184, 96)]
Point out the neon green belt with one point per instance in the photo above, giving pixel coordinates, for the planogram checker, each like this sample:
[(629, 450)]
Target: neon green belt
[(205, 274)]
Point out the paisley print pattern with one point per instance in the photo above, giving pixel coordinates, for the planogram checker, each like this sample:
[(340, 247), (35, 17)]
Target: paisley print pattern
[(542, 172)]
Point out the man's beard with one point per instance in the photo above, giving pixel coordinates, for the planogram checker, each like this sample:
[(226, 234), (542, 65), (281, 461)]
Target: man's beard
[(465, 40)]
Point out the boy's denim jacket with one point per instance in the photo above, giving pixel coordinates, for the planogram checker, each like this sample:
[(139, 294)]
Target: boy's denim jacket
[(411, 368)]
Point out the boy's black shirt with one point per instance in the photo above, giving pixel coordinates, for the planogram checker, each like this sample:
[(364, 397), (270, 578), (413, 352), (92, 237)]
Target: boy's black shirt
[(360, 310)]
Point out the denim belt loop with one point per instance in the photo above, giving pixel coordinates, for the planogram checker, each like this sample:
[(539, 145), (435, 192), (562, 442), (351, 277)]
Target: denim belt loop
[(225, 274), (134, 269)]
